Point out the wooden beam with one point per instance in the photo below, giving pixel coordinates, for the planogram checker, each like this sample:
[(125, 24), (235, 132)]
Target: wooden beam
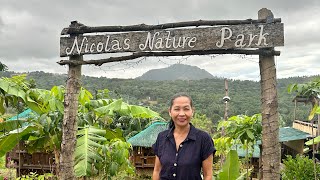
[(81, 29), (152, 54), (176, 40)]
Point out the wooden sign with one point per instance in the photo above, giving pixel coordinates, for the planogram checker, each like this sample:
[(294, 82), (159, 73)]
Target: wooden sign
[(176, 40)]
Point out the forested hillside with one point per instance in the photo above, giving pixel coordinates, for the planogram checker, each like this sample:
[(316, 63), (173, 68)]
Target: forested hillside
[(207, 93)]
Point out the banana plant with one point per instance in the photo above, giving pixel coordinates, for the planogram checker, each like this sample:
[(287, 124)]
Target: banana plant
[(244, 129), (89, 141), (95, 135)]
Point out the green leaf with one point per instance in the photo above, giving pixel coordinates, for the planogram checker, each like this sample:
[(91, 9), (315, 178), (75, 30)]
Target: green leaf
[(10, 125), (291, 88), (316, 140), (250, 134), (113, 168), (110, 108), (86, 153), (142, 112), (231, 167), (2, 108), (10, 88), (112, 134), (313, 111), (10, 140)]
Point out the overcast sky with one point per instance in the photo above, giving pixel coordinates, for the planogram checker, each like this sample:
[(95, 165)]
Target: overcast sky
[(30, 32)]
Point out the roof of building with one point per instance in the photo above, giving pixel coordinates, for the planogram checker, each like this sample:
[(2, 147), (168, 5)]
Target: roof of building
[(290, 134), (28, 113), (285, 134), (148, 136), (242, 152)]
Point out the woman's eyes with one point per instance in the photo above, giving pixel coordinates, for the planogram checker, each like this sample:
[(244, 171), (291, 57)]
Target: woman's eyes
[(185, 109)]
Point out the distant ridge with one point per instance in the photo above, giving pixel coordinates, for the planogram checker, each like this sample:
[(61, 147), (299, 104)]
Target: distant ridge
[(176, 72)]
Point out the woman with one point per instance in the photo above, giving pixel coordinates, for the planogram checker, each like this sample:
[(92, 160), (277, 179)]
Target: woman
[(183, 150)]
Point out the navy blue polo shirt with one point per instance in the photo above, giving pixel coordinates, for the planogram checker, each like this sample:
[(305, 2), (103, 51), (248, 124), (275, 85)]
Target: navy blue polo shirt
[(186, 163)]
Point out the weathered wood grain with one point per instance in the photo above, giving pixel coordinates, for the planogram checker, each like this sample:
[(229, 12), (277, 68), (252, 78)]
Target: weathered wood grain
[(78, 28), (176, 40)]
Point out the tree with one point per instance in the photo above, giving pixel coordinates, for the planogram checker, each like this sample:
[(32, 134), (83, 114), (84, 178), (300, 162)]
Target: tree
[(243, 129), (309, 91), (96, 140), (3, 67)]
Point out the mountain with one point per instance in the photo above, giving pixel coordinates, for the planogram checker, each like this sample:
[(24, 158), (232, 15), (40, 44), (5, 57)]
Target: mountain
[(176, 72)]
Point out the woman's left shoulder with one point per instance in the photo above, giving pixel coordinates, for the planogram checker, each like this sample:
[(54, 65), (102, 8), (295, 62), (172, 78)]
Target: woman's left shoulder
[(202, 134)]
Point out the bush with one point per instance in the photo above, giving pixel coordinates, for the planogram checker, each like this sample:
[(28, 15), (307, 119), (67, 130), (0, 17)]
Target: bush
[(299, 168)]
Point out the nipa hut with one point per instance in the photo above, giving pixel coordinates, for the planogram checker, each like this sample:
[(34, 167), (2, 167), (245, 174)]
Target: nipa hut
[(39, 162), (143, 156)]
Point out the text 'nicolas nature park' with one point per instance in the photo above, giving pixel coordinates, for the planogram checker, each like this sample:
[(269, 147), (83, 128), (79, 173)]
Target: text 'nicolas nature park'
[(223, 37)]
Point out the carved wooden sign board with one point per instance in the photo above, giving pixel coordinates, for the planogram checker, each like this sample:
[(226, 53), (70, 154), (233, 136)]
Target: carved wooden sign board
[(176, 40)]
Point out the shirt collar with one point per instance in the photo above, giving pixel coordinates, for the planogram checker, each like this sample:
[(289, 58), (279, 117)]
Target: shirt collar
[(191, 135)]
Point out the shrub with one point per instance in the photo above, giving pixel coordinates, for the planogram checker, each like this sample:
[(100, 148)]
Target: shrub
[(299, 168)]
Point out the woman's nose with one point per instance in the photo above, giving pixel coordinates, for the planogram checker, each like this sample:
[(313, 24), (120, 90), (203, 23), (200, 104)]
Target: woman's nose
[(182, 113)]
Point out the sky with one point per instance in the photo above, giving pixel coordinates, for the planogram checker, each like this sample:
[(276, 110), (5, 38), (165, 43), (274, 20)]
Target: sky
[(30, 34)]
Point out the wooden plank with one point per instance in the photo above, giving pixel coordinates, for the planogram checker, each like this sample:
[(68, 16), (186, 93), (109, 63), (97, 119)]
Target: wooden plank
[(176, 40)]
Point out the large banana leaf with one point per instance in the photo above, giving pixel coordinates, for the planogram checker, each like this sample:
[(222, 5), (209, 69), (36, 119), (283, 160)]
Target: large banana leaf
[(7, 126), (230, 168), (86, 153), (126, 109), (9, 140), (142, 112), (11, 89), (110, 108)]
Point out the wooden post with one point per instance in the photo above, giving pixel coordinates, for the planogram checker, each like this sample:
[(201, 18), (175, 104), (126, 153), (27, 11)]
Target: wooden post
[(226, 102), (69, 127), (271, 152)]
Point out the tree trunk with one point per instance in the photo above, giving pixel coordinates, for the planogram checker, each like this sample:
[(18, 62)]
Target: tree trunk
[(69, 127), (271, 153)]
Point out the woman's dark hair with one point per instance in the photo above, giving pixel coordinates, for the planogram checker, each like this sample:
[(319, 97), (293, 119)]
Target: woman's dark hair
[(175, 96)]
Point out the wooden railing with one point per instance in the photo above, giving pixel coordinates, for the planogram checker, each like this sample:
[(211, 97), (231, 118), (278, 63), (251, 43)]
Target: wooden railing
[(144, 161), (305, 127)]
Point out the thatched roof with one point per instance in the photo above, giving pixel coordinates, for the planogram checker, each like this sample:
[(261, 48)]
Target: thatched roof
[(148, 136)]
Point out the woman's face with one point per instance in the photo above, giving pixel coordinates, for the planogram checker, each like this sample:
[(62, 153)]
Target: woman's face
[(181, 111)]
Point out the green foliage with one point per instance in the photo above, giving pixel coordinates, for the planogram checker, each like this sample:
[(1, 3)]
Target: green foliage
[(206, 93), (309, 90), (116, 158), (244, 128), (222, 145), (202, 122), (9, 140), (315, 140), (299, 168), (35, 176), (98, 145), (231, 167), (2, 162), (86, 153)]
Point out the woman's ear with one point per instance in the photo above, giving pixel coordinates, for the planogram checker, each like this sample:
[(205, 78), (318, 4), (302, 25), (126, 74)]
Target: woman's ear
[(169, 112)]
